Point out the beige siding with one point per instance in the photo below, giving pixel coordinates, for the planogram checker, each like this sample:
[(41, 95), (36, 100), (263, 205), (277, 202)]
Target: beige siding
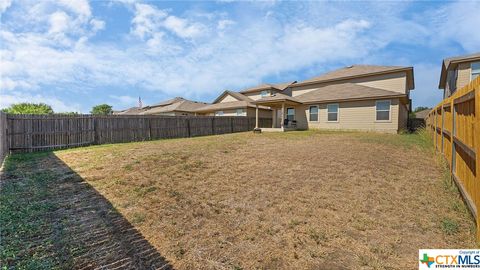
[(232, 112), (396, 82), (227, 98), (464, 74), (354, 115)]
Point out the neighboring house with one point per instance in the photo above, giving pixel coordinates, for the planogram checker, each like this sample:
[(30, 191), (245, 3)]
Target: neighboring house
[(422, 114), (360, 97), (457, 72), (173, 107), (418, 121), (231, 103), (129, 111)]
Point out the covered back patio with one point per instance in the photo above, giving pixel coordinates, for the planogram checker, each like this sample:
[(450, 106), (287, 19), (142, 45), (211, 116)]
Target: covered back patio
[(283, 112)]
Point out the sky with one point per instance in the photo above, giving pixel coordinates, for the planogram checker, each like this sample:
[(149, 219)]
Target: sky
[(79, 53)]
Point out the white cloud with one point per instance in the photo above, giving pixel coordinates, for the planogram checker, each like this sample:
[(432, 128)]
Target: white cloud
[(121, 101), (231, 60), (183, 28), (4, 4), (147, 19), (59, 22), (80, 7), (223, 24), (460, 22), (97, 25)]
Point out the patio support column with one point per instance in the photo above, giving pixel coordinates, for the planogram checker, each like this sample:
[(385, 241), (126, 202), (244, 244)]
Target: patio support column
[(256, 116), (273, 117), (283, 115)]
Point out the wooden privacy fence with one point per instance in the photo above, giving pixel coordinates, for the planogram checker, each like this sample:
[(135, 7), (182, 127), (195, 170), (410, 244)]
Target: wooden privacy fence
[(455, 126), (27, 133)]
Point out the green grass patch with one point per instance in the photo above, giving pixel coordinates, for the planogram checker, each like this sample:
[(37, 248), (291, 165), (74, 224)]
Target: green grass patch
[(24, 208), (420, 139), (449, 226), (138, 218)]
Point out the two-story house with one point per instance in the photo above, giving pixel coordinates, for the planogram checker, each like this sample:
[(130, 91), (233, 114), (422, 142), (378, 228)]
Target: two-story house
[(359, 97)]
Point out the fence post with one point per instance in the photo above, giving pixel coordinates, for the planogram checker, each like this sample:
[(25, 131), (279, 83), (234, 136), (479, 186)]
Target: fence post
[(231, 125), (149, 128), (213, 125), (30, 130), (476, 132), (95, 130), (435, 130), (452, 141), (189, 132), (443, 126)]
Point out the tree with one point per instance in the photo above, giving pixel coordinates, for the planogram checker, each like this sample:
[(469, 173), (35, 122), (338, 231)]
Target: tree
[(29, 108), (417, 109), (102, 109)]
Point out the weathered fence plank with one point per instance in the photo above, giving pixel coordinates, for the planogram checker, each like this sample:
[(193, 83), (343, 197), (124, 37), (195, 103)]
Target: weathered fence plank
[(3, 137), (26, 133), (455, 127)]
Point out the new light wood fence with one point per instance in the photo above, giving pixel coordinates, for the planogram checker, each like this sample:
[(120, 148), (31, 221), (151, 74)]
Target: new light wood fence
[(455, 127), (27, 133)]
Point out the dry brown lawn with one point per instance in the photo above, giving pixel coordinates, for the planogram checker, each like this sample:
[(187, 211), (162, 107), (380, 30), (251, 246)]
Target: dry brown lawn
[(298, 200)]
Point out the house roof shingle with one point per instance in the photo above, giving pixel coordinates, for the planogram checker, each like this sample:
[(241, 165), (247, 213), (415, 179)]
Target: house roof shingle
[(422, 114), (345, 91), (130, 111), (276, 97), (168, 102), (265, 86), (227, 106), (236, 95), (353, 72), (181, 106)]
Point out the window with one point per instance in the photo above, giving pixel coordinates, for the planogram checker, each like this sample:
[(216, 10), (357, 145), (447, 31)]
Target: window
[(290, 114), (264, 93), (383, 110), (219, 113), (313, 113), (452, 77), (332, 112), (475, 70), (239, 112)]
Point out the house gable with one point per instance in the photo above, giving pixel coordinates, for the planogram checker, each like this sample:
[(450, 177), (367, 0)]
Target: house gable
[(227, 98), (230, 96), (258, 95)]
